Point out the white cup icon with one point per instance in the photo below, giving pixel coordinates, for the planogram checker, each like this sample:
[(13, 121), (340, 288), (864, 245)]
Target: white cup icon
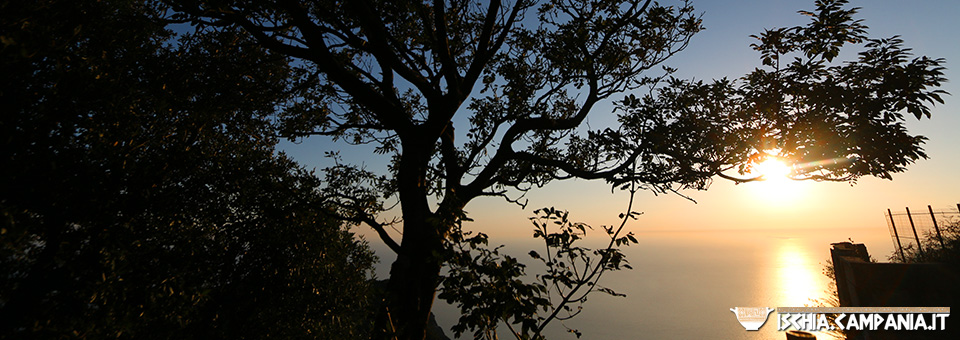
[(752, 318)]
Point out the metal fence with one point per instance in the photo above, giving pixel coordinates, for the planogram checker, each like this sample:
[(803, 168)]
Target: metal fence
[(914, 230)]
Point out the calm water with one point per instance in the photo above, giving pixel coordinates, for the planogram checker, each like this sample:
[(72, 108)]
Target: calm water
[(684, 282)]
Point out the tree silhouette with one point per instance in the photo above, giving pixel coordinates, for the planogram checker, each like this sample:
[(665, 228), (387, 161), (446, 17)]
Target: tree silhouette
[(140, 192), (488, 98)]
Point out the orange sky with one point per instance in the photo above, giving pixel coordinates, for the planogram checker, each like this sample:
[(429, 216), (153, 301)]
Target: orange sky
[(722, 49), (929, 27)]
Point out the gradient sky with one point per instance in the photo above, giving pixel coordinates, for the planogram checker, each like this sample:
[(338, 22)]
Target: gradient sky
[(931, 28)]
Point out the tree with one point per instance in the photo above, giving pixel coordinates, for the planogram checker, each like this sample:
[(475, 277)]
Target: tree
[(519, 78), (140, 189)]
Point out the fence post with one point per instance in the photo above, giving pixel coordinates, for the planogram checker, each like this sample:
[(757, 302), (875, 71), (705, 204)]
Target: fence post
[(915, 236), (896, 235), (934, 218)]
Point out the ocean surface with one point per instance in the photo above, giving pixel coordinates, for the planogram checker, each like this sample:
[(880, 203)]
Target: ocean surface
[(684, 282)]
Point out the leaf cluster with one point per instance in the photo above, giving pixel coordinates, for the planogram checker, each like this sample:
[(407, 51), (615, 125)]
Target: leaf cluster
[(140, 192), (489, 286), (832, 121)]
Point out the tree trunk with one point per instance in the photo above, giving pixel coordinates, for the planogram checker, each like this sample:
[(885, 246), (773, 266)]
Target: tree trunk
[(415, 274), (414, 277)]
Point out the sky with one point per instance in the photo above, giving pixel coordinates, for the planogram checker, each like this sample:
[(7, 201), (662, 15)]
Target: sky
[(929, 27)]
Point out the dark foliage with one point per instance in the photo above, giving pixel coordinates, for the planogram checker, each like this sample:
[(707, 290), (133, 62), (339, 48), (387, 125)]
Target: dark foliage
[(140, 191), (942, 247), (489, 98)]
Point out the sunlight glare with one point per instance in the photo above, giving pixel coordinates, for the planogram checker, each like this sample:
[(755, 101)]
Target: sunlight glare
[(797, 276), (773, 169), (776, 188)]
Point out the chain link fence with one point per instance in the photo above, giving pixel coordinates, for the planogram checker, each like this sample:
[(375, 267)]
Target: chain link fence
[(912, 230)]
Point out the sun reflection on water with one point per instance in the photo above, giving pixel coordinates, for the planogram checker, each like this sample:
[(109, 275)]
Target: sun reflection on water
[(796, 275)]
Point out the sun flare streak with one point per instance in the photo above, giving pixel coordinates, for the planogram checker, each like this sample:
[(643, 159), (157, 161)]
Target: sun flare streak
[(773, 169), (776, 187)]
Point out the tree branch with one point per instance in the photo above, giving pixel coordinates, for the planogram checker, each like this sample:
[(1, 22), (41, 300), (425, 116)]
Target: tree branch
[(448, 67), (380, 228), (381, 49), (505, 153)]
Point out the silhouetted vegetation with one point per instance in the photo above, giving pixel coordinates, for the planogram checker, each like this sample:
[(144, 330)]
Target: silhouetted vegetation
[(142, 196), (486, 98), (947, 251), (140, 192), (491, 289)]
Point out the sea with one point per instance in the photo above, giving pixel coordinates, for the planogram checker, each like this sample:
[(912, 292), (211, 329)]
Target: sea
[(684, 283)]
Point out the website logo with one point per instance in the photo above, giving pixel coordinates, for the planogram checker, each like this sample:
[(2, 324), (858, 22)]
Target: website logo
[(820, 319), (752, 318)]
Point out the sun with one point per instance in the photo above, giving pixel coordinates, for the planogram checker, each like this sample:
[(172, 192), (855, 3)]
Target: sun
[(773, 169), (775, 187)]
